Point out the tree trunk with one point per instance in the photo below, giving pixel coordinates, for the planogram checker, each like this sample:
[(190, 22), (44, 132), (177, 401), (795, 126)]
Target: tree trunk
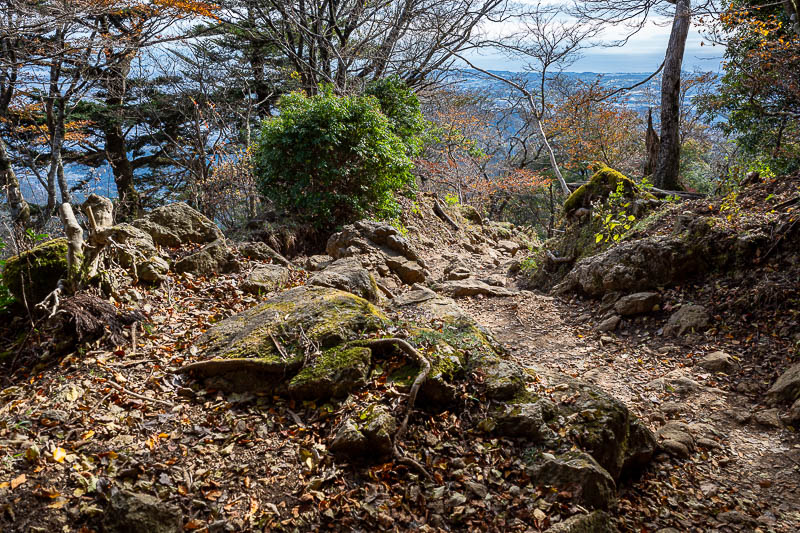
[(20, 211), (116, 145), (652, 144), (668, 166)]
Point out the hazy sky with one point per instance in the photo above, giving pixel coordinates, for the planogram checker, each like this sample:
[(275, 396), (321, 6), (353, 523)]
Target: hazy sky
[(644, 52)]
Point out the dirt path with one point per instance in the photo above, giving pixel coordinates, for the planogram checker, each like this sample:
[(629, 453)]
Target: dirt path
[(744, 469)]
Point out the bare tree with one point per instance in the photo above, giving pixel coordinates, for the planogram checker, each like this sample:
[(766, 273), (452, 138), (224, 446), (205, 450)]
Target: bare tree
[(632, 16), (339, 42), (548, 44)]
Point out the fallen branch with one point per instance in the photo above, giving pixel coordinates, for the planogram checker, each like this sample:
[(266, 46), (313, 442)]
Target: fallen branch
[(440, 212), (139, 396), (557, 260), (655, 191)]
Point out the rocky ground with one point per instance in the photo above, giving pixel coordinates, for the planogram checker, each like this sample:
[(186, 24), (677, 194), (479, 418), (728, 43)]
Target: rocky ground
[(155, 434)]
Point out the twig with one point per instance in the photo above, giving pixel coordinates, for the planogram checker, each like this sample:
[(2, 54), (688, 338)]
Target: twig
[(139, 396), (296, 418), (279, 346)]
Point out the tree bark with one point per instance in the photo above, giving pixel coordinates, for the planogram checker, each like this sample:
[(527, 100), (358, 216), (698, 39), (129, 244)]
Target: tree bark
[(20, 211), (115, 79), (668, 166), (652, 144)]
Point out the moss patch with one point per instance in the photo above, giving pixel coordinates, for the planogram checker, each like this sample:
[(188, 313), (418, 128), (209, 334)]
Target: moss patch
[(35, 273), (604, 181), (333, 374)]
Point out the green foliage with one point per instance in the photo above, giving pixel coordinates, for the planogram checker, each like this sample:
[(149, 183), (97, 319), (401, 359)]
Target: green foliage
[(451, 199), (6, 299), (401, 106), (529, 265), (758, 97), (613, 216), (330, 160)]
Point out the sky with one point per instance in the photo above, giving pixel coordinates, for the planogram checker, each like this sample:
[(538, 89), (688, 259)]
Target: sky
[(644, 52)]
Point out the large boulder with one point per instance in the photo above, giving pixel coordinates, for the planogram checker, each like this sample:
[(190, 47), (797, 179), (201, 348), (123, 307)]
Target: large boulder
[(381, 245), (602, 425), (263, 348), (177, 224), (137, 252), (636, 265), (33, 274), (348, 275), (212, 259), (590, 484)]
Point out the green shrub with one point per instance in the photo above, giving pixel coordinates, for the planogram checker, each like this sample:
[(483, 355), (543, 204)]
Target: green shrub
[(330, 160), (401, 106)]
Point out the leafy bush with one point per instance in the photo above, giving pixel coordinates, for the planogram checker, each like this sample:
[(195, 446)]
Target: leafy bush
[(329, 160), (401, 106)]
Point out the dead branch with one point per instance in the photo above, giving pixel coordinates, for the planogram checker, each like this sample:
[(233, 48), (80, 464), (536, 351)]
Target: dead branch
[(385, 290), (440, 212), (139, 396), (557, 260)]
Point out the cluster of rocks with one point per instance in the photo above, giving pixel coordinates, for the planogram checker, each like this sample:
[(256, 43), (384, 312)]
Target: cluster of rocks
[(686, 318), (142, 248), (307, 343)]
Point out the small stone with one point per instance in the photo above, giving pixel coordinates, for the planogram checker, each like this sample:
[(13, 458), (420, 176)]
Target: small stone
[(637, 303), (609, 324), (717, 362), (478, 489), (689, 318), (768, 418)]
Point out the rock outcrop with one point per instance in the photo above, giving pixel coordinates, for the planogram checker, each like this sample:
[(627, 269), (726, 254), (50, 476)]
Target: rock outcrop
[(177, 224), (381, 247)]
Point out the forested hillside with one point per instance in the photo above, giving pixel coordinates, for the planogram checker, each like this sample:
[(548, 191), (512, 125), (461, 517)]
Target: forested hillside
[(290, 266)]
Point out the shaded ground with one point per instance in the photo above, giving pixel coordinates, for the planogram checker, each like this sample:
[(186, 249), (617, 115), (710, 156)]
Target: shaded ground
[(747, 475)]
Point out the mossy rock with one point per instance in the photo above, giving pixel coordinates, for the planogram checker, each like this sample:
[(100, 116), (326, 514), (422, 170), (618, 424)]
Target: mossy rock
[(366, 435), (333, 374), (37, 271), (243, 351), (602, 425), (604, 181)]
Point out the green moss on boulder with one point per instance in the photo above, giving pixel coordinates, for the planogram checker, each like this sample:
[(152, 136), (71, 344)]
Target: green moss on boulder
[(243, 351), (34, 274), (604, 181), (334, 373)]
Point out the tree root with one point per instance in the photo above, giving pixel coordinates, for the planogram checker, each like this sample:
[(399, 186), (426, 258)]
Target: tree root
[(412, 352)]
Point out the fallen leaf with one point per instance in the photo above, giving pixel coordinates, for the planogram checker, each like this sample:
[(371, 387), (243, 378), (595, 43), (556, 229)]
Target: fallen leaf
[(19, 480), (59, 454)]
